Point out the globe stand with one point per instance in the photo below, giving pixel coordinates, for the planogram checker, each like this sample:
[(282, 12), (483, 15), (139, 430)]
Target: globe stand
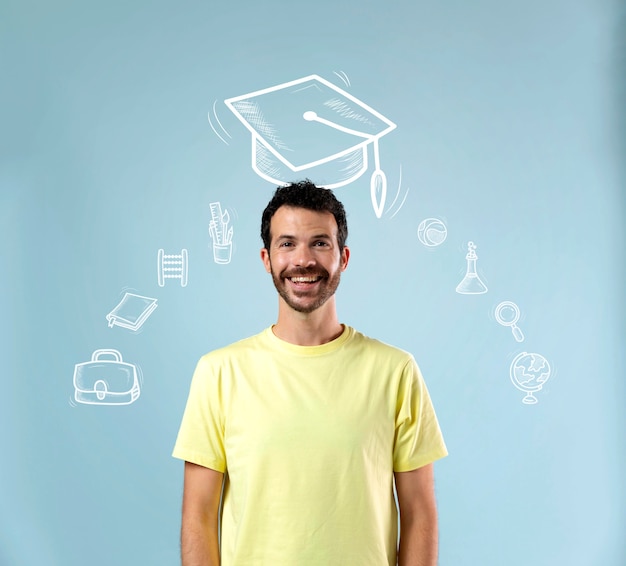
[(530, 399)]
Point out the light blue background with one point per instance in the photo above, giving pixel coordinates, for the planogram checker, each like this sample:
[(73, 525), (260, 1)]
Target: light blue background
[(509, 125)]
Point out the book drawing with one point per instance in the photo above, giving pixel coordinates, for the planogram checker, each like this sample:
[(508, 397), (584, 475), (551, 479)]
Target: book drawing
[(131, 312)]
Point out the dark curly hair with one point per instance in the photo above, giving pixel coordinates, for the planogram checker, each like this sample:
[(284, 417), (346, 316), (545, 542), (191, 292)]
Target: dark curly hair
[(304, 194)]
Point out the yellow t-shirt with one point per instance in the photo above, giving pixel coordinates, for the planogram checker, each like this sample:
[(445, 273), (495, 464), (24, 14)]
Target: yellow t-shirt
[(309, 437)]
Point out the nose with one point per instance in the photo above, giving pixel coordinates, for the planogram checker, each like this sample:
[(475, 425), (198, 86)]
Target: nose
[(304, 257)]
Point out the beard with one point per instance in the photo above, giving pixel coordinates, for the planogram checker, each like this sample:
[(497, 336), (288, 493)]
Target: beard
[(306, 300)]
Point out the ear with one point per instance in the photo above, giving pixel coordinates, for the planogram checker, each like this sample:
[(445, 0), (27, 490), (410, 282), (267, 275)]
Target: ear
[(265, 258), (345, 256)]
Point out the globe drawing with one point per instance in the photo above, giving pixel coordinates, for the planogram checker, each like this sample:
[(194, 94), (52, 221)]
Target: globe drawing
[(529, 372)]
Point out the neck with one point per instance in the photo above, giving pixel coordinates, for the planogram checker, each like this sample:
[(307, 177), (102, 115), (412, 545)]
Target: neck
[(308, 329)]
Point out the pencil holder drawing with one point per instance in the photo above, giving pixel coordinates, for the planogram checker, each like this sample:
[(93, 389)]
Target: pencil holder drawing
[(222, 253), (221, 234)]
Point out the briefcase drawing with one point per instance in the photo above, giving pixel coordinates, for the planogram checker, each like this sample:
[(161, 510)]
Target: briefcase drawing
[(106, 380)]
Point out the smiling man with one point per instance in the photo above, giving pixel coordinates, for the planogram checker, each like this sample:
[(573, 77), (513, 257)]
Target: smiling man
[(293, 439)]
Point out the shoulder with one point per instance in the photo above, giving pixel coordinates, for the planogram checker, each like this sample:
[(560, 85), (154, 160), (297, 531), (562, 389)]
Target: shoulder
[(375, 348), (217, 367), (235, 350)]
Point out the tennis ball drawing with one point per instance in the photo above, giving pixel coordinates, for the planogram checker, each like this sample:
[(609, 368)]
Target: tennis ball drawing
[(432, 232)]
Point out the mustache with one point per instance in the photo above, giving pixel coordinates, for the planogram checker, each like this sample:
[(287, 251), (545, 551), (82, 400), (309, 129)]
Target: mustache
[(305, 273)]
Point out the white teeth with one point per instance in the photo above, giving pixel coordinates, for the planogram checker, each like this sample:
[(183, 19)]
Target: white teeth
[(303, 279)]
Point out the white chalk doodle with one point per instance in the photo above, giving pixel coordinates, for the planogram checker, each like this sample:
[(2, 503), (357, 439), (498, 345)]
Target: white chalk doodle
[(432, 232), (131, 312), (507, 313), (173, 266), (221, 234), (529, 373), (344, 78), (219, 124), (106, 380), (392, 209), (311, 125), (471, 283)]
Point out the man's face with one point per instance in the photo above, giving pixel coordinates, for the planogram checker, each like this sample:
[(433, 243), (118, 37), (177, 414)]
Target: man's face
[(304, 257)]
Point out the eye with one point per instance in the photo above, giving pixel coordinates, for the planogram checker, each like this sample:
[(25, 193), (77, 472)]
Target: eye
[(321, 244), (285, 244)]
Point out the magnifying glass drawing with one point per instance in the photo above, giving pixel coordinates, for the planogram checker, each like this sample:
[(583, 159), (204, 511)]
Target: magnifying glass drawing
[(507, 314)]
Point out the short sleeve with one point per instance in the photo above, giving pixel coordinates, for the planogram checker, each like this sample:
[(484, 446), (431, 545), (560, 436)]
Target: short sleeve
[(418, 440), (201, 435)]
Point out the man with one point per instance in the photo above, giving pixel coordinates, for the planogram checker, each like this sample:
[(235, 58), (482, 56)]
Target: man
[(306, 425)]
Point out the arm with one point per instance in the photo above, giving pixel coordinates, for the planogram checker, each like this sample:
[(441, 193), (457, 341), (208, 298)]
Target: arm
[(418, 517), (201, 500)]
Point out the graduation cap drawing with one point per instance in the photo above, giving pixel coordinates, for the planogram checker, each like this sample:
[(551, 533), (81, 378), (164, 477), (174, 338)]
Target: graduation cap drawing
[(311, 125)]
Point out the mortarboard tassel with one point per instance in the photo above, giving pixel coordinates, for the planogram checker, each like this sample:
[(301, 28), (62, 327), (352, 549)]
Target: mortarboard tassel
[(378, 184)]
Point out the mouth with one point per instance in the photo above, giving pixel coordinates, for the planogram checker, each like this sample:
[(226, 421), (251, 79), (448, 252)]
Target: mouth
[(304, 280)]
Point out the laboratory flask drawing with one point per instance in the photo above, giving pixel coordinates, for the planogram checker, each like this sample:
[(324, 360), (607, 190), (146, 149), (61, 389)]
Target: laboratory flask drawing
[(106, 379), (131, 312), (221, 234), (471, 283), (507, 313), (311, 126), (432, 232), (529, 373), (172, 266)]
